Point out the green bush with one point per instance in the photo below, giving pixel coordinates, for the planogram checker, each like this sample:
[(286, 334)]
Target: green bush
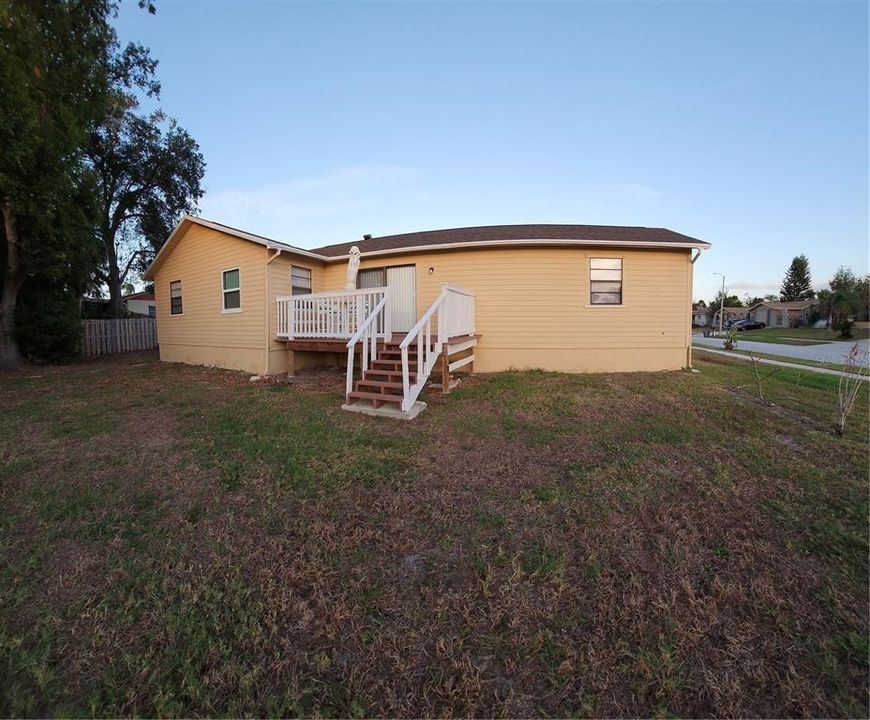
[(47, 323)]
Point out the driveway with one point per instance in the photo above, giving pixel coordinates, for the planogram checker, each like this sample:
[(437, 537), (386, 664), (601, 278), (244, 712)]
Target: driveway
[(828, 352)]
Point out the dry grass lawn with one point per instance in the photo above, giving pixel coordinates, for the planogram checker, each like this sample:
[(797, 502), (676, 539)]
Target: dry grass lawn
[(178, 541)]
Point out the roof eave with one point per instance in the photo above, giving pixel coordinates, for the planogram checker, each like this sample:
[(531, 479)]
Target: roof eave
[(164, 249), (314, 255), (701, 245), (265, 242)]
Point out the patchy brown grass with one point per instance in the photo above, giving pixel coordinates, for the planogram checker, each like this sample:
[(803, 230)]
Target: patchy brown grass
[(178, 541)]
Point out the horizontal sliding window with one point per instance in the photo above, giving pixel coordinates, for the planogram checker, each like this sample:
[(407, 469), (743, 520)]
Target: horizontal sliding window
[(175, 297), (605, 281), (232, 289), (300, 280)]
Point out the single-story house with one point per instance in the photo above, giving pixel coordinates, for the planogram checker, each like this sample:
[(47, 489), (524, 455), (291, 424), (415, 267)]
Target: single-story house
[(572, 298), (700, 316), (729, 313), (141, 303), (783, 314)]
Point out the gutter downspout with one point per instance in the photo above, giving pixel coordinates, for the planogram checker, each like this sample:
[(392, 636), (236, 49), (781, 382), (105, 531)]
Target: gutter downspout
[(691, 286), (268, 310)]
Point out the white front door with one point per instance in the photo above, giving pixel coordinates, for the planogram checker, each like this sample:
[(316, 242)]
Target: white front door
[(402, 281)]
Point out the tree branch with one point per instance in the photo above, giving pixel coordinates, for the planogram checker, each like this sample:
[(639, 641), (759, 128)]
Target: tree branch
[(135, 254)]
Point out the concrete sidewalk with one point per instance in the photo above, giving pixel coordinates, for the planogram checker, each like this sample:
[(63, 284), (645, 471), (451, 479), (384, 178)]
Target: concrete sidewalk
[(780, 363)]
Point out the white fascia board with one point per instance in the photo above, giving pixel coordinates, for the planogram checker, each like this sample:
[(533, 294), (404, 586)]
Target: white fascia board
[(265, 242), (274, 245), (526, 242), (147, 274), (298, 251)]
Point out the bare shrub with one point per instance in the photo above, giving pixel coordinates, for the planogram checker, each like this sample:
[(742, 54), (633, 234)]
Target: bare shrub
[(850, 384), (759, 378)]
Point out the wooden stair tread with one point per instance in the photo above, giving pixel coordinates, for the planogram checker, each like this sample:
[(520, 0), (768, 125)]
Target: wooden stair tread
[(380, 383), (388, 363), (375, 397)]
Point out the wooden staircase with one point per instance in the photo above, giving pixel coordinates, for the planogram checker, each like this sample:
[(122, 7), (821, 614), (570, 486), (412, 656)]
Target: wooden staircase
[(393, 372), (382, 382)]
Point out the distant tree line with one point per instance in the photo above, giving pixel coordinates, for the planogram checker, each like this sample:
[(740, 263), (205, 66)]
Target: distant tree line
[(90, 183), (846, 299)]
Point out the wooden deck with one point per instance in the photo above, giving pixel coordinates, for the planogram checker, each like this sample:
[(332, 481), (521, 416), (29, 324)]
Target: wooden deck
[(333, 345), (350, 325)]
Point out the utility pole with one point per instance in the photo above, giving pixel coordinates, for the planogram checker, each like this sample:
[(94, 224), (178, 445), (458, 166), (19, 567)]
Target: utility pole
[(721, 302)]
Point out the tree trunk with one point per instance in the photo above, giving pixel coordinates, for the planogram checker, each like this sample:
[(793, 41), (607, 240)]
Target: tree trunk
[(13, 279), (114, 274)]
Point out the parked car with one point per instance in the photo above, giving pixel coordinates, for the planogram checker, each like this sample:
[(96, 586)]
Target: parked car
[(742, 325)]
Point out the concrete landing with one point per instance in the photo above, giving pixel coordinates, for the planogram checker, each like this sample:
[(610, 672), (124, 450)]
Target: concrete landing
[(389, 411)]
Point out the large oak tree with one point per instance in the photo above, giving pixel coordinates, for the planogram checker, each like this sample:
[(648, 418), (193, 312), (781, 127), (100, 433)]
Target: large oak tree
[(52, 90), (60, 67), (88, 187), (149, 172)]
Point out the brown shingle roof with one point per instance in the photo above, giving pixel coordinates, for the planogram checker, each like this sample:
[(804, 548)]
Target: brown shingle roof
[(732, 308), (792, 305), (494, 233)]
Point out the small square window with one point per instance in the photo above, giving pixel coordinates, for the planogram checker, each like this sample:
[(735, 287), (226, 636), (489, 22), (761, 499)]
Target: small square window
[(175, 297), (232, 289), (605, 281)]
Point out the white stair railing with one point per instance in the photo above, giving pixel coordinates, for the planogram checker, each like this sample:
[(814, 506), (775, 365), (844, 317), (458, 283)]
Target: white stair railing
[(451, 315), (457, 313), (335, 315), (375, 325)]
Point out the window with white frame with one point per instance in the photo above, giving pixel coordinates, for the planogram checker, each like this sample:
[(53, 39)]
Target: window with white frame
[(232, 290), (300, 280), (175, 297), (605, 281)]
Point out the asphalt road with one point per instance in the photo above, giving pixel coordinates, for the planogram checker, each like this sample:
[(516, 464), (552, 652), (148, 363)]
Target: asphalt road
[(828, 352)]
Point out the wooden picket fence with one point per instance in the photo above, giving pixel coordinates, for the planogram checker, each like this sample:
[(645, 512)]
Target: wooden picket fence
[(103, 337)]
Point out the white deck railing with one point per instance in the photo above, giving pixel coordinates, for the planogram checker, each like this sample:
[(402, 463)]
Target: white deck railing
[(451, 315), (329, 315), (368, 335), (457, 313)]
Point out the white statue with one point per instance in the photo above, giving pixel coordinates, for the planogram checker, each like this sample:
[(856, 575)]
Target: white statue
[(352, 268)]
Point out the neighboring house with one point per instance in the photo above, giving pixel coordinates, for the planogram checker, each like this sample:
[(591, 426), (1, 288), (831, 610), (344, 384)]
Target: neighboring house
[(783, 314), (93, 308), (700, 316), (142, 303), (572, 298), (730, 313)]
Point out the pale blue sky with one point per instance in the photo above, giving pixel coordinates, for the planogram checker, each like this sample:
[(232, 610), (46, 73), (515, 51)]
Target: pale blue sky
[(741, 123)]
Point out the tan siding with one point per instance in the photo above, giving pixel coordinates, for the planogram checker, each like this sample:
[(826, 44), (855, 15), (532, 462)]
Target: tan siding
[(202, 333), (532, 304), (279, 284), (537, 299)]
